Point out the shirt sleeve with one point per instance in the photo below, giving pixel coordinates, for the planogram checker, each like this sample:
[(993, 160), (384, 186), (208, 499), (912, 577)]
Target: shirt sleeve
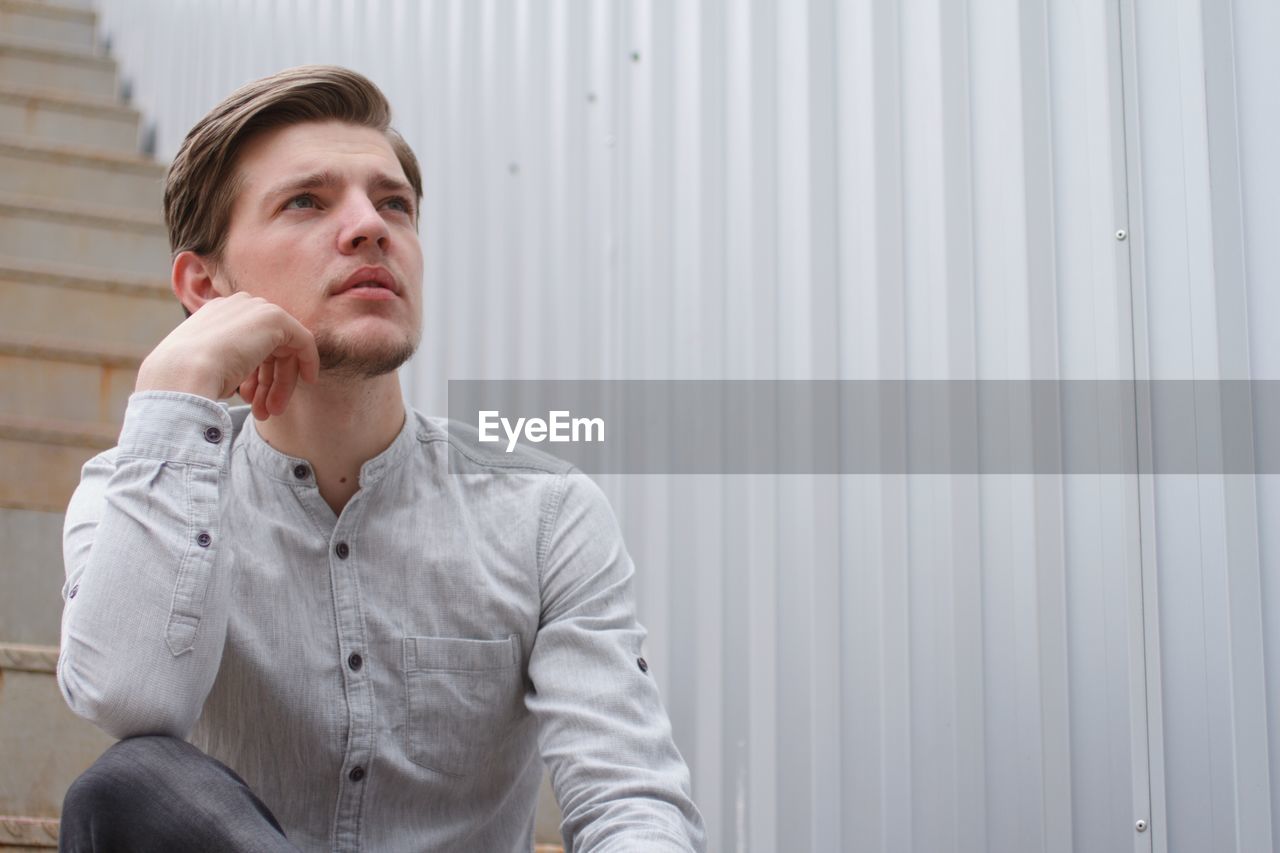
[(618, 777), (144, 607)]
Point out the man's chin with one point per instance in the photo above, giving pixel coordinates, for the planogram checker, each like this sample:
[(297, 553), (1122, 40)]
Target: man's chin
[(364, 360)]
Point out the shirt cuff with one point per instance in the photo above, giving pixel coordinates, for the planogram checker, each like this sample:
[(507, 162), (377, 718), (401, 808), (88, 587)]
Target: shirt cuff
[(174, 426)]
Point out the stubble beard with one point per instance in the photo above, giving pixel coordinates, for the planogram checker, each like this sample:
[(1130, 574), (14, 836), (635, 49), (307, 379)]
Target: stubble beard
[(341, 359)]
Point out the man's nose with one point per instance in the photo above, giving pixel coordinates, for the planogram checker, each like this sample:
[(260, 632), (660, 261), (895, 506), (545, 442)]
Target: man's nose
[(364, 227)]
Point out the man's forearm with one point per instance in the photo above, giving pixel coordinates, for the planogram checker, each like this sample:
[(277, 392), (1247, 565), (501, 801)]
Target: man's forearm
[(145, 612)]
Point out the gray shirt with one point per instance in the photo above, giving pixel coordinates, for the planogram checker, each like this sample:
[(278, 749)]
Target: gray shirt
[(384, 679)]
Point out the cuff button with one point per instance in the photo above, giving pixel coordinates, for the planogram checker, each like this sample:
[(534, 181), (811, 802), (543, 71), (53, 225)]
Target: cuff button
[(213, 435), (643, 664)]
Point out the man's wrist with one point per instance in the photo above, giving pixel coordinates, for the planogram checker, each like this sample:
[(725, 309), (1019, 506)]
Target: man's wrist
[(176, 426), (160, 377)]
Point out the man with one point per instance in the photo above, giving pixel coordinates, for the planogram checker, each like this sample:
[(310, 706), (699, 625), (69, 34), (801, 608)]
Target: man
[(366, 648)]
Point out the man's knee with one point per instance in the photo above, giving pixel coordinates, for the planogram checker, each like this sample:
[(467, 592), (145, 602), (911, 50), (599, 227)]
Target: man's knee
[(116, 790), (161, 793), (122, 773), (139, 763)]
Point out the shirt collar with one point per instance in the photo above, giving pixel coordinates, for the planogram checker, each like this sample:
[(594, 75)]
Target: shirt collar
[(282, 466)]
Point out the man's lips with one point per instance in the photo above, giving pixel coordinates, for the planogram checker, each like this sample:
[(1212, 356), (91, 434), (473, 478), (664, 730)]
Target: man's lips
[(369, 293), (370, 283)]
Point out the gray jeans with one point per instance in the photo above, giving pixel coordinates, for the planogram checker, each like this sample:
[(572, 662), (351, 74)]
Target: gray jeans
[(163, 794)]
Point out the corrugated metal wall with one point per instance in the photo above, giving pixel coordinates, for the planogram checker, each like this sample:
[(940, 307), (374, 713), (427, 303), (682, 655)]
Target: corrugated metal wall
[(867, 190), (1206, 132)]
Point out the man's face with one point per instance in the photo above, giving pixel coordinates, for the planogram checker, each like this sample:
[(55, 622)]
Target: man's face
[(322, 204)]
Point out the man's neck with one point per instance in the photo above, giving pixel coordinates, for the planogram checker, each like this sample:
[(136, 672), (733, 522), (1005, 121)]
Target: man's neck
[(338, 425)]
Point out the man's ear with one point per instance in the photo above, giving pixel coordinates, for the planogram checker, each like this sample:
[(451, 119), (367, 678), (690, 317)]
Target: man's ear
[(192, 281)]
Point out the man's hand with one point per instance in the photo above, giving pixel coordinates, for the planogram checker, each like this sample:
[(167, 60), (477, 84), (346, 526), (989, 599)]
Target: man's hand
[(237, 341)]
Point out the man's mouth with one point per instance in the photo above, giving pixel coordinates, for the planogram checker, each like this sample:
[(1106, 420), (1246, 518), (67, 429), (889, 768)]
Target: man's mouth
[(370, 282)]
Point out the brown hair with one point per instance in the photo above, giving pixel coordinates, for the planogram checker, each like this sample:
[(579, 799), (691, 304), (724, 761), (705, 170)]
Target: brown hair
[(202, 182)]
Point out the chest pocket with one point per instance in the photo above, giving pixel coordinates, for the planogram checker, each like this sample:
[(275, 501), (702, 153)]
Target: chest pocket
[(462, 697)]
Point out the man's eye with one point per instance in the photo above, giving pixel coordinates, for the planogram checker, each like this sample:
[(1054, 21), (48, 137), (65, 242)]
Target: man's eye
[(301, 202), (402, 204)]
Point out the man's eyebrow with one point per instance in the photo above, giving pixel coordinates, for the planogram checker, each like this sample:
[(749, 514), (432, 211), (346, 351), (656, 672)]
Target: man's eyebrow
[(312, 181), (386, 183), (326, 179)]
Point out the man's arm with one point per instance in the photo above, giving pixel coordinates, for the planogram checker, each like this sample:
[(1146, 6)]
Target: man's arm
[(145, 611), (145, 607), (620, 781)]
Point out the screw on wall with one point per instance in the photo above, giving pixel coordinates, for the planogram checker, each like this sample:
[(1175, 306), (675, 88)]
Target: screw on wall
[(1141, 825), (1122, 234)]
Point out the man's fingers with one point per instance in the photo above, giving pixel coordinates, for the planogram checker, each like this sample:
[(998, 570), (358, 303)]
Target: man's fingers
[(266, 373), (303, 344), (249, 386), (277, 377), (260, 404), (282, 385)]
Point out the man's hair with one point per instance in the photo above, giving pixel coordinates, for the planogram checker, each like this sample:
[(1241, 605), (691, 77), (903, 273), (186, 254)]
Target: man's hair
[(203, 181)]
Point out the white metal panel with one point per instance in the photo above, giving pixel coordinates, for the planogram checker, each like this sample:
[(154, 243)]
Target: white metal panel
[(1206, 128), (1255, 28), (866, 189)]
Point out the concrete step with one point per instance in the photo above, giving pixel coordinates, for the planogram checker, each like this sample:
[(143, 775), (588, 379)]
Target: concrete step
[(53, 23), (57, 300), (24, 62), (70, 4), (108, 240), (68, 118), (87, 279), (31, 565), (42, 458), (46, 378), (83, 175), (91, 318), (43, 746), (25, 834)]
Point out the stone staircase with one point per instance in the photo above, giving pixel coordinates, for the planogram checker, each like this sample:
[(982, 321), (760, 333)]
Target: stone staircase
[(83, 296)]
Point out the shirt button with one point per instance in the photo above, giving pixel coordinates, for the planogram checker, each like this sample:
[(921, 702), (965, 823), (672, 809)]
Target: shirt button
[(203, 539), (301, 472), (355, 661), (74, 590), (356, 774), (343, 550), (643, 664), (213, 435)]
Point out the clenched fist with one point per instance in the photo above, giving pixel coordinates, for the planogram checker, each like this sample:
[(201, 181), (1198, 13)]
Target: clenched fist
[(235, 342)]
